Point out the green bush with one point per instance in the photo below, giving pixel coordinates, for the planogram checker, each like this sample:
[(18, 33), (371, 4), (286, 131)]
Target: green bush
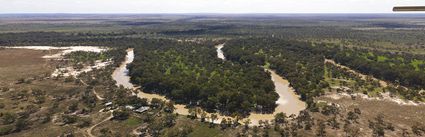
[(8, 118), (6, 130), (68, 119), (121, 115)]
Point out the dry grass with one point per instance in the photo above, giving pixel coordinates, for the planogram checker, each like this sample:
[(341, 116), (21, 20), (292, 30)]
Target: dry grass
[(22, 63), (28, 64), (401, 116)]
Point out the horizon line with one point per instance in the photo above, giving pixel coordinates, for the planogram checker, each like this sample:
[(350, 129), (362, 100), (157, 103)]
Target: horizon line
[(214, 13)]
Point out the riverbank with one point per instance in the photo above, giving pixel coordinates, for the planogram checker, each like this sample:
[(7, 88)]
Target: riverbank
[(288, 102)]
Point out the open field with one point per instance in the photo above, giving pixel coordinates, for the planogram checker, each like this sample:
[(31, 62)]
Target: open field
[(22, 63), (411, 115), (29, 66), (31, 95)]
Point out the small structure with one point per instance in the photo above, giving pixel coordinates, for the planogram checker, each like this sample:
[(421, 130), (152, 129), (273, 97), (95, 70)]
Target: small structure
[(129, 107), (108, 104), (141, 109)]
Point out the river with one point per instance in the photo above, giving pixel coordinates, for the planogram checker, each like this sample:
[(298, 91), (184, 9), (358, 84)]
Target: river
[(288, 101), (120, 75)]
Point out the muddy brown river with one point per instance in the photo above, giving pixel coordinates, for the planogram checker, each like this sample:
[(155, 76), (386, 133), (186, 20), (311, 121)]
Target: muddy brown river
[(120, 74), (288, 101)]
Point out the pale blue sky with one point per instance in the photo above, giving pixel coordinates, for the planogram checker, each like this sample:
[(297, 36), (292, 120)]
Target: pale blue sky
[(203, 6)]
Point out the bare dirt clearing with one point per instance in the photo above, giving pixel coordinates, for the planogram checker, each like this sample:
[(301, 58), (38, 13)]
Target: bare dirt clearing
[(402, 116), (22, 63)]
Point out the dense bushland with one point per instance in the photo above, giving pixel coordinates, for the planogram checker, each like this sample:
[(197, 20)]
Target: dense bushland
[(299, 62), (404, 69), (191, 73)]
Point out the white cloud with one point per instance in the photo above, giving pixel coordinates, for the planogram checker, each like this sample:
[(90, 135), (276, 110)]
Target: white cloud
[(202, 6)]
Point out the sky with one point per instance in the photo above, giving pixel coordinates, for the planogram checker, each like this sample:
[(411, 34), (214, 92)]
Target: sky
[(203, 6)]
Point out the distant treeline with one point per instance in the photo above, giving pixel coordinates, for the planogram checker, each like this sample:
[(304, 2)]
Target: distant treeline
[(70, 39)]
